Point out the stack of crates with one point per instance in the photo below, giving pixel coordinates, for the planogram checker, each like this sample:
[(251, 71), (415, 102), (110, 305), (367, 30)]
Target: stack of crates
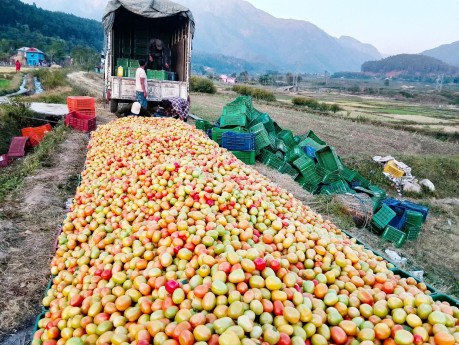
[(413, 225), (82, 104), (242, 145), (308, 176), (157, 75)]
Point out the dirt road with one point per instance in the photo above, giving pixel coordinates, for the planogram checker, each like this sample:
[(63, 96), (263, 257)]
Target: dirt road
[(29, 220)]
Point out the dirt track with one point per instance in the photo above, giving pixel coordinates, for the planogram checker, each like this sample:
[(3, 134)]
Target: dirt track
[(29, 219)]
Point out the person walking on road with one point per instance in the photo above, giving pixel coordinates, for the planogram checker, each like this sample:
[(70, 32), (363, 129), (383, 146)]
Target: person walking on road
[(141, 85)]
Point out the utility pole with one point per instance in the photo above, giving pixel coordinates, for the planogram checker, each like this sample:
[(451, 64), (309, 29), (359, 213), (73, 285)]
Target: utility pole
[(439, 85)]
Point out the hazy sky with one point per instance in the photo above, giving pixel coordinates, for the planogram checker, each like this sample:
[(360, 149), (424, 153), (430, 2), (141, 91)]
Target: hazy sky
[(392, 26)]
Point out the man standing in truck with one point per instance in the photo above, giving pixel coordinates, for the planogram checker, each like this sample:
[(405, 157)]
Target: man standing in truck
[(141, 86), (159, 57)]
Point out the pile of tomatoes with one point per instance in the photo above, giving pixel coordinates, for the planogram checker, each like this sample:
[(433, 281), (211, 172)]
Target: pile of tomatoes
[(173, 241)]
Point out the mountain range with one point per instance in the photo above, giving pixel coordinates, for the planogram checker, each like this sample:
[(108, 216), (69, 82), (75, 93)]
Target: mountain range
[(236, 28), (448, 53)]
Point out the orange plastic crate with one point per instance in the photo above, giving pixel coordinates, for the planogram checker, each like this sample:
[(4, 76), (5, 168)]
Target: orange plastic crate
[(81, 122), (80, 102), (391, 168), (36, 134)]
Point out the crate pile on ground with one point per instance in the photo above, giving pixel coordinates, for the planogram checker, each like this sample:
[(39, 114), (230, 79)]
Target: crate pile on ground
[(306, 158), (398, 221), (31, 137), (82, 113), (172, 240)]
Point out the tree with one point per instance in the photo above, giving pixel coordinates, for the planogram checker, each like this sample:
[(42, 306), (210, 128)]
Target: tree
[(57, 50), (243, 77)]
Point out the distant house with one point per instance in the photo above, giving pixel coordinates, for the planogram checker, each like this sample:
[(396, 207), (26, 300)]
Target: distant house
[(31, 56), (228, 80)]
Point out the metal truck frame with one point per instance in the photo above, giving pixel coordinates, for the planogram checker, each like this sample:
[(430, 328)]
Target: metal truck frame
[(127, 35)]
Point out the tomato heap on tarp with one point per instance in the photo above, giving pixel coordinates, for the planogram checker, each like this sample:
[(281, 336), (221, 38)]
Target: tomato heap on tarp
[(172, 240)]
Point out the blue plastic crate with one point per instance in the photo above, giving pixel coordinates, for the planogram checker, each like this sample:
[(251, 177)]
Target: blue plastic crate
[(310, 151), (424, 210), (391, 202), (399, 221), (238, 141)]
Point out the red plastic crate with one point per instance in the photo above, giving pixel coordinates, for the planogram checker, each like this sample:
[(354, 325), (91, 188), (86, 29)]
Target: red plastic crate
[(80, 102), (18, 146), (80, 121), (4, 161), (36, 134), (89, 112)]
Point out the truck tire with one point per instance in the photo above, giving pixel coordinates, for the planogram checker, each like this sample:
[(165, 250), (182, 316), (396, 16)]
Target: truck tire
[(113, 105)]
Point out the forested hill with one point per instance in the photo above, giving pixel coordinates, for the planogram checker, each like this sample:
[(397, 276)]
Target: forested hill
[(27, 25), (409, 64)]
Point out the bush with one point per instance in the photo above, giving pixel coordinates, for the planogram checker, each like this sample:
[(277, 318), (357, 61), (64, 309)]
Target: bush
[(308, 102), (51, 78), (204, 85), (254, 92), (311, 103)]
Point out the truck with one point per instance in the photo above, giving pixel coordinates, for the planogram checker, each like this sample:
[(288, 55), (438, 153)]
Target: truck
[(130, 27)]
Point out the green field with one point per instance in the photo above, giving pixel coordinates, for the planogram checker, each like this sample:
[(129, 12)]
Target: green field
[(4, 83)]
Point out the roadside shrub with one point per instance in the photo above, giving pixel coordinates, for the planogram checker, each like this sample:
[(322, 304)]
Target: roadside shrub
[(204, 85), (256, 93), (51, 78), (308, 102), (313, 104), (335, 108)]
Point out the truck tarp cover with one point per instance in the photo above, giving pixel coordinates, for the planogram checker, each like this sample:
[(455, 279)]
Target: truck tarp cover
[(146, 8)]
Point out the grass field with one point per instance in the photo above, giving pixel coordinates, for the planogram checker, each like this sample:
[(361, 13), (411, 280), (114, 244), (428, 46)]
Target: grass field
[(4, 83)]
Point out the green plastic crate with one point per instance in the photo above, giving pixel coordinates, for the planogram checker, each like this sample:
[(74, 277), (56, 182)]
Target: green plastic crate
[(312, 143), (395, 236), (134, 63), (329, 160), (280, 145), (262, 139), (328, 176), (377, 192), (304, 164), (363, 181), (218, 132), (122, 62), (130, 72), (265, 120), (203, 125), (287, 137), (338, 187), (234, 115), (293, 154), (404, 274), (289, 170), (274, 162), (266, 155), (348, 174), (414, 218), (438, 297), (314, 137), (248, 157), (382, 218)]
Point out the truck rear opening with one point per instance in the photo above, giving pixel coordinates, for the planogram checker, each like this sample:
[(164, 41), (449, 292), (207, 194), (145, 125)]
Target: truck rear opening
[(130, 26)]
